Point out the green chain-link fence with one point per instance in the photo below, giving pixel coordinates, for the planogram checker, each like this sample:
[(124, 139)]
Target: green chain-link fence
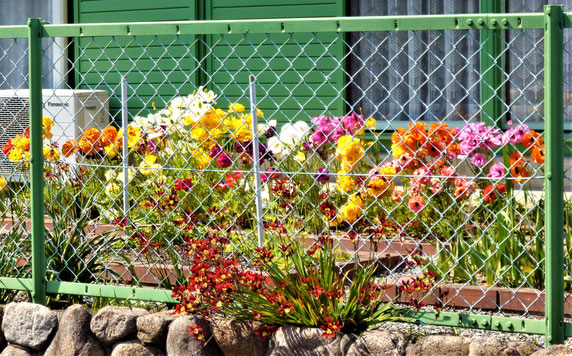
[(410, 141)]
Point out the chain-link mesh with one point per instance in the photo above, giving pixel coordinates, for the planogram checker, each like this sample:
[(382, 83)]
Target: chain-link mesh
[(14, 162), (376, 140)]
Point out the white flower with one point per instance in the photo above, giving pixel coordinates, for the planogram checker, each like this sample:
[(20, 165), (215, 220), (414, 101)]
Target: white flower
[(130, 175), (277, 147), (110, 175), (303, 127)]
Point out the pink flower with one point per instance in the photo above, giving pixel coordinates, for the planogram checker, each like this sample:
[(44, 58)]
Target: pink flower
[(224, 160), (497, 171), (448, 172), (479, 159), (416, 203)]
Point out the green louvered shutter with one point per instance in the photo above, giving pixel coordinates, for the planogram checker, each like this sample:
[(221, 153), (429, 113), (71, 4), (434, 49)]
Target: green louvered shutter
[(159, 67), (301, 75)]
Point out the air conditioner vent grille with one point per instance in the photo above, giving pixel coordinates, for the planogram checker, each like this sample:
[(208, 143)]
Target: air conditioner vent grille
[(14, 114)]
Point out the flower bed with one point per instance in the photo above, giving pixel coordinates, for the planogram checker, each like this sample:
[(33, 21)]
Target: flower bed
[(457, 198)]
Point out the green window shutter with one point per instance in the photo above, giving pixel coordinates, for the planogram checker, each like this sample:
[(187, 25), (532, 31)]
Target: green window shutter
[(301, 75), (158, 67)]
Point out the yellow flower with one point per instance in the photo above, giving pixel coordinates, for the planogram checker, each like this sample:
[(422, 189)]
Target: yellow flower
[(112, 189), (47, 124), (243, 134), (21, 142), (149, 165), (16, 154), (134, 135), (51, 154), (203, 158), (345, 182), (377, 187), (370, 123), (236, 107), (3, 185), (232, 123), (352, 210), (199, 134), (350, 151), (300, 157)]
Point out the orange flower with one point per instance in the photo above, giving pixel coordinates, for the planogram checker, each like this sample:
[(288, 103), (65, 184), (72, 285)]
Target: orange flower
[(416, 203), (538, 154), (418, 131), (86, 146), (69, 148), (91, 135), (532, 138), (109, 136), (519, 172), (398, 135), (516, 159)]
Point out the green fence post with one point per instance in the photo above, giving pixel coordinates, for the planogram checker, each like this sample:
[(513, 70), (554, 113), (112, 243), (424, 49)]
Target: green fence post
[(36, 160), (554, 172), (491, 67)]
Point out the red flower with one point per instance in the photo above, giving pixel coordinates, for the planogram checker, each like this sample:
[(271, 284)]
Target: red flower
[(198, 332), (266, 331), (330, 328)]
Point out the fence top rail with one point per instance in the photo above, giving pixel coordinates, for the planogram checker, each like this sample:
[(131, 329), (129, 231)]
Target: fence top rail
[(308, 25)]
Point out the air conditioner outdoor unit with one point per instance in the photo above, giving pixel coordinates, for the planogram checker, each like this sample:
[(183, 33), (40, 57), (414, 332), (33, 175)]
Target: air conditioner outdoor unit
[(72, 111)]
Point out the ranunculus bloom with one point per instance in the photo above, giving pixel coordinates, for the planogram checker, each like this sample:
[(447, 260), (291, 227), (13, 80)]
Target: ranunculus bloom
[(323, 176), (224, 160), (416, 203), (215, 151), (397, 195), (448, 172), (479, 159), (497, 171), (489, 194), (69, 148), (269, 174)]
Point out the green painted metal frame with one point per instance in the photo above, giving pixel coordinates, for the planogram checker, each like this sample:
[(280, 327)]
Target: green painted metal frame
[(37, 160), (553, 326), (491, 67), (336, 24), (554, 172)]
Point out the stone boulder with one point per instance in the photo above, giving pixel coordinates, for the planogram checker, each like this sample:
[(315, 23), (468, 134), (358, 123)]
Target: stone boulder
[(74, 336), (293, 340), (135, 347), (377, 342), (181, 343), (112, 324), (153, 328), (491, 346), (525, 348), (554, 350), (443, 345), (15, 350), (29, 325), (238, 338)]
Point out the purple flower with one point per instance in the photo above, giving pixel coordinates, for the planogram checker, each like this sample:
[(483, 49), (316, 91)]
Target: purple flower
[(270, 132), (320, 136), (497, 171), (307, 146), (479, 159), (215, 151), (323, 176), (353, 123), (224, 160)]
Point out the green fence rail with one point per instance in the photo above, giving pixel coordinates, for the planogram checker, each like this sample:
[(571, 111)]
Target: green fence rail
[(304, 68)]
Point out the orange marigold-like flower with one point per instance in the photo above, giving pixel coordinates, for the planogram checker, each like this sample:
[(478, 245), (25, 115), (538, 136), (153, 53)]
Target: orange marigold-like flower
[(519, 172), (516, 159), (69, 148), (532, 138), (92, 135), (108, 136), (538, 154)]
